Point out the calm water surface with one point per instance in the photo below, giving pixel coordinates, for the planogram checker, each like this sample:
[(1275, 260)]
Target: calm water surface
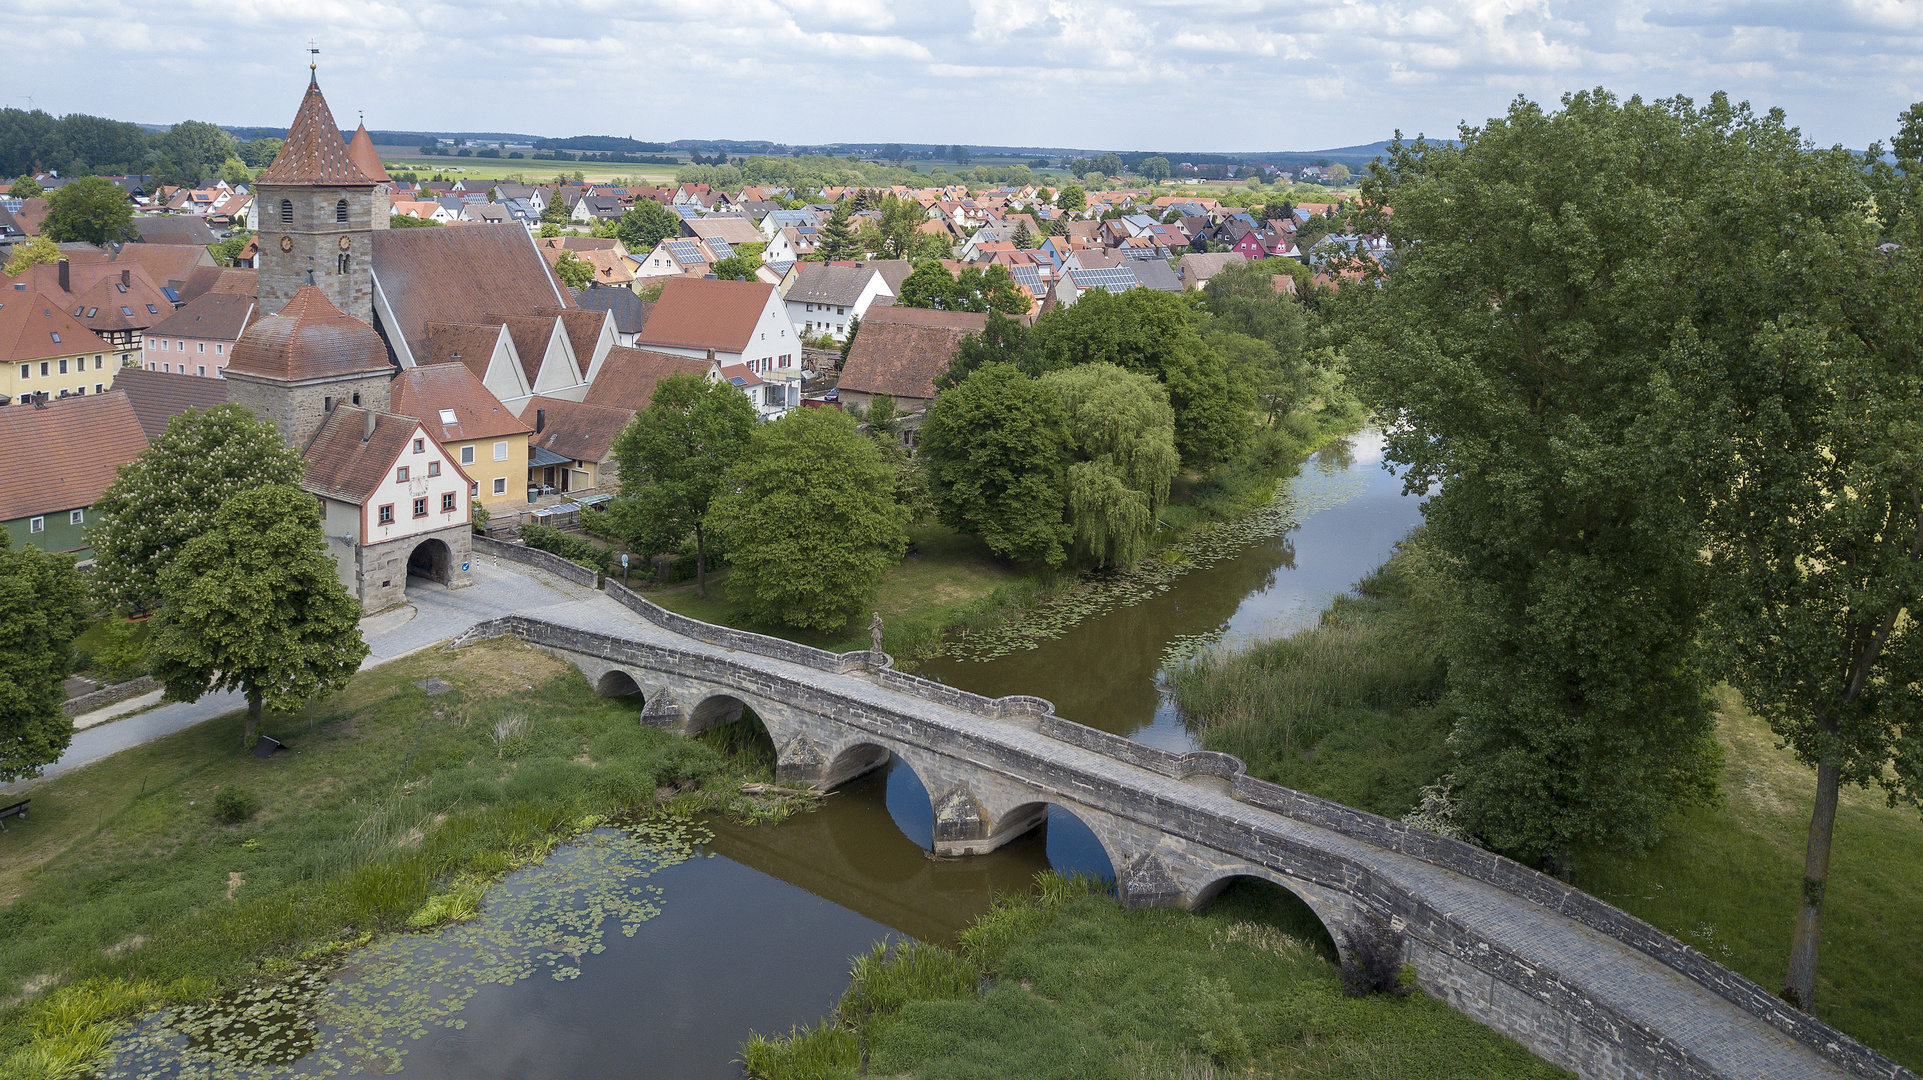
[(755, 931)]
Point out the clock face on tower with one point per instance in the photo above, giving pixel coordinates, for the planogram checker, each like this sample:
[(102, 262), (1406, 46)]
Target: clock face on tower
[(346, 243), (287, 243)]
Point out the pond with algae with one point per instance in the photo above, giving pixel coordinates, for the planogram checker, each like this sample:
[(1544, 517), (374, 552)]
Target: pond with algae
[(652, 950)]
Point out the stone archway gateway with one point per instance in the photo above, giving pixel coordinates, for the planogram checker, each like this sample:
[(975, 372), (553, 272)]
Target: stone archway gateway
[(432, 560), (1578, 982)]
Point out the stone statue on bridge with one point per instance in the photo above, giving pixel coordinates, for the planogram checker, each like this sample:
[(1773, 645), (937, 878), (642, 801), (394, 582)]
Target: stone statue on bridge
[(874, 638)]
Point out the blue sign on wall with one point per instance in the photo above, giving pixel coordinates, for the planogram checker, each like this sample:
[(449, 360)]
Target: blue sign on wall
[(463, 568)]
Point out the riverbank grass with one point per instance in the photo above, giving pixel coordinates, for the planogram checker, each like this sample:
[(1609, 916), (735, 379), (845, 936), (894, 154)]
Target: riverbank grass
[(128, 888), (1067, 983)]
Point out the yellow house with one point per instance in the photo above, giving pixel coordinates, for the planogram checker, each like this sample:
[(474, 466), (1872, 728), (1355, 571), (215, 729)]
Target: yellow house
[(48, 351), (483, 436)]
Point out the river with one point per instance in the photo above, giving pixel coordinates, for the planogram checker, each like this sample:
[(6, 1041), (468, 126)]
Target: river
[(664, 962)]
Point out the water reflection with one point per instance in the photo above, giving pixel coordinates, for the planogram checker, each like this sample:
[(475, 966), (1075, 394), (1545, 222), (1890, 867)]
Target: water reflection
[(1104, 671)]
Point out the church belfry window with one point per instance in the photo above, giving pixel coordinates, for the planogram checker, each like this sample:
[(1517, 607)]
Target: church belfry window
[(340, 210), (286, 211), (343, 266)]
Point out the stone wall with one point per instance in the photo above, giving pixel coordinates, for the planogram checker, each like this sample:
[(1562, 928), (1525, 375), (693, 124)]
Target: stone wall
[(383, 566), (316, 240), (986, 787), (535, 557), (107, 695)]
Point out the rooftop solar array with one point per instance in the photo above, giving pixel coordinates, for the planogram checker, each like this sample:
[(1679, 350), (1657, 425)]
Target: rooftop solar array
[(720, 248), (1113, 278), (686, 251)]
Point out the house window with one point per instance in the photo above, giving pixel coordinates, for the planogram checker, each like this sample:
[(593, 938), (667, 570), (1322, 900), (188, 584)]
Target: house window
[(201, 370), (286, 212), (63, 367), (340, 210), (400, 475), (447, 502), (500, 451), (43, 369), (99, 388), (76, 517), (200, 346), (420, 446), (420, 507), (433, 468), (26, 371), (168, 368), (386, 514), (163, 345), (473, 490), (37, 525), (96, 361), (467, 455), (216, 350), (500, 485)]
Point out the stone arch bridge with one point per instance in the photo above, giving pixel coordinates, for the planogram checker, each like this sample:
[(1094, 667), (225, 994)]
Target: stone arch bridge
[(1580, 983)]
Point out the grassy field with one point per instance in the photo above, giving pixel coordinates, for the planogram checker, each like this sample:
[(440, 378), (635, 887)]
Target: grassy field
[(1726, 881), (534, 172), (176, 870), (1351, 710), (1067, 984)]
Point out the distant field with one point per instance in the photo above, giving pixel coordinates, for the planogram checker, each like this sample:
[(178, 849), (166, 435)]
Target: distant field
[(409, 158)]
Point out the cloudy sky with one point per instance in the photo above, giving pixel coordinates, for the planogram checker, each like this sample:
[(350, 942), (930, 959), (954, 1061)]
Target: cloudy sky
[(1223, 75)]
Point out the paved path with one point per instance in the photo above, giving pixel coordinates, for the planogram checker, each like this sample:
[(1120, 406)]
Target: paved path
[(435, 614)]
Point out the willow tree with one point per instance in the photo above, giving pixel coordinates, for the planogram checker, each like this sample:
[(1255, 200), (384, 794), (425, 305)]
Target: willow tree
[(1121, 434)]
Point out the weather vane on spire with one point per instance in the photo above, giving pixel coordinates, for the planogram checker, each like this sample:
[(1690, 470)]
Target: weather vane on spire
[(313, 50)]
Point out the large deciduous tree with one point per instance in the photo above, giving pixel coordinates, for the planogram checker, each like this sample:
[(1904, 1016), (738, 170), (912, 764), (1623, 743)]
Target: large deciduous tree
[(996, 448), (255, 604), (672, 456), (809, 518), (90, 210), (170, 493), (41, 611), (646, 224), (1121, 434)]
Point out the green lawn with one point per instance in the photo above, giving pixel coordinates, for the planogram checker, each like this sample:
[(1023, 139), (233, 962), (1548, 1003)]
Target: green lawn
[(1727, 880), (124, 889), (1067, 984)]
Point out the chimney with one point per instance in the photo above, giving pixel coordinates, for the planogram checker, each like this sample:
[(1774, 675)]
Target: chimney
[(126, 277), (540, 420), (367, 425), (65, 285)]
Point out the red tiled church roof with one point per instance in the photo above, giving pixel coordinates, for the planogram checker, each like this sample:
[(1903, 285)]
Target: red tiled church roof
[(314, 154)]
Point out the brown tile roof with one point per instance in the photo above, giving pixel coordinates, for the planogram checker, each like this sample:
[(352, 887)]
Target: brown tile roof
[(468, 344), (628, 376), (966, 321), (893, 271), (342, 464), (74, 446), (360, 151), (531, 334), (314, 154), (158, 397), (31, 213), (705, 313), (310, 338), (577, 430), (902, 359), (173, 230), (214, 316), (166, 264), (583, 328), (34, 325), (234, 280), (424, 392), (735, 230), (458, 275)]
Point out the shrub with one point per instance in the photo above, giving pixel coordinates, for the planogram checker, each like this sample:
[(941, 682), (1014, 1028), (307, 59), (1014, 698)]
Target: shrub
[(572, 548), (233, 804), (1374, 961)]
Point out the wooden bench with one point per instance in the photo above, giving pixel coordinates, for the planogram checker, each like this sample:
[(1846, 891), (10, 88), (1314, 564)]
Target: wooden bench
[(18, 810)]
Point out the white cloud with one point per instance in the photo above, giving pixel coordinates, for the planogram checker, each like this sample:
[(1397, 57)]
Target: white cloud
[(1164, 74)]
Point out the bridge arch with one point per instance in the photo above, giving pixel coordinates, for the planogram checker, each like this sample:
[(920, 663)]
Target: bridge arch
[(1073, 842), (1275, 900), (618, 683)]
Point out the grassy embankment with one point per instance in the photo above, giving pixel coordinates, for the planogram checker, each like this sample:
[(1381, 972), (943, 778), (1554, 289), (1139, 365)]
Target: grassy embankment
[(1352, 710), (126, 890), (1068, 984), (956, 585)]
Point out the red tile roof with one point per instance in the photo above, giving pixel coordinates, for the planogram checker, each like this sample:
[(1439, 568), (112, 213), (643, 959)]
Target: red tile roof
[(310, 338), (577, 430), (706, 313), (531, 335), (583, 328), (900, 358), (458, 275), (343, 464), (313, 154), (424, 392), (468, 344), (212, 317), (158, 397), (360, 150), (628, 376), (34, 325), (74, 446)]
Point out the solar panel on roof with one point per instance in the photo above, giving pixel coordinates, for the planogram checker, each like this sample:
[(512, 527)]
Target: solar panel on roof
[(685, 251), (1112, 278), (720, 248)]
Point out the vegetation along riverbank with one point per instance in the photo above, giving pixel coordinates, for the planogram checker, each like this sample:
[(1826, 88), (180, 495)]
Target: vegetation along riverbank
[(1065, 983), (1356, 709), (186, 869)]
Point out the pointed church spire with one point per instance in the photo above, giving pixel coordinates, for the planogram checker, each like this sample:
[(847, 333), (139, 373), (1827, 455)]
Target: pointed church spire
[(360, 150), (314, 154)]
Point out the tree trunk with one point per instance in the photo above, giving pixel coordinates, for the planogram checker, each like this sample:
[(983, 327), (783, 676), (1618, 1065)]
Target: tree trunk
[(253, 715), (700, 562), (1799, 989)]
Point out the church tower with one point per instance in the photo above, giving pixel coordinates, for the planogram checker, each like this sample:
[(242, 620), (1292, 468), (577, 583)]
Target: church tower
[(317, 215)]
